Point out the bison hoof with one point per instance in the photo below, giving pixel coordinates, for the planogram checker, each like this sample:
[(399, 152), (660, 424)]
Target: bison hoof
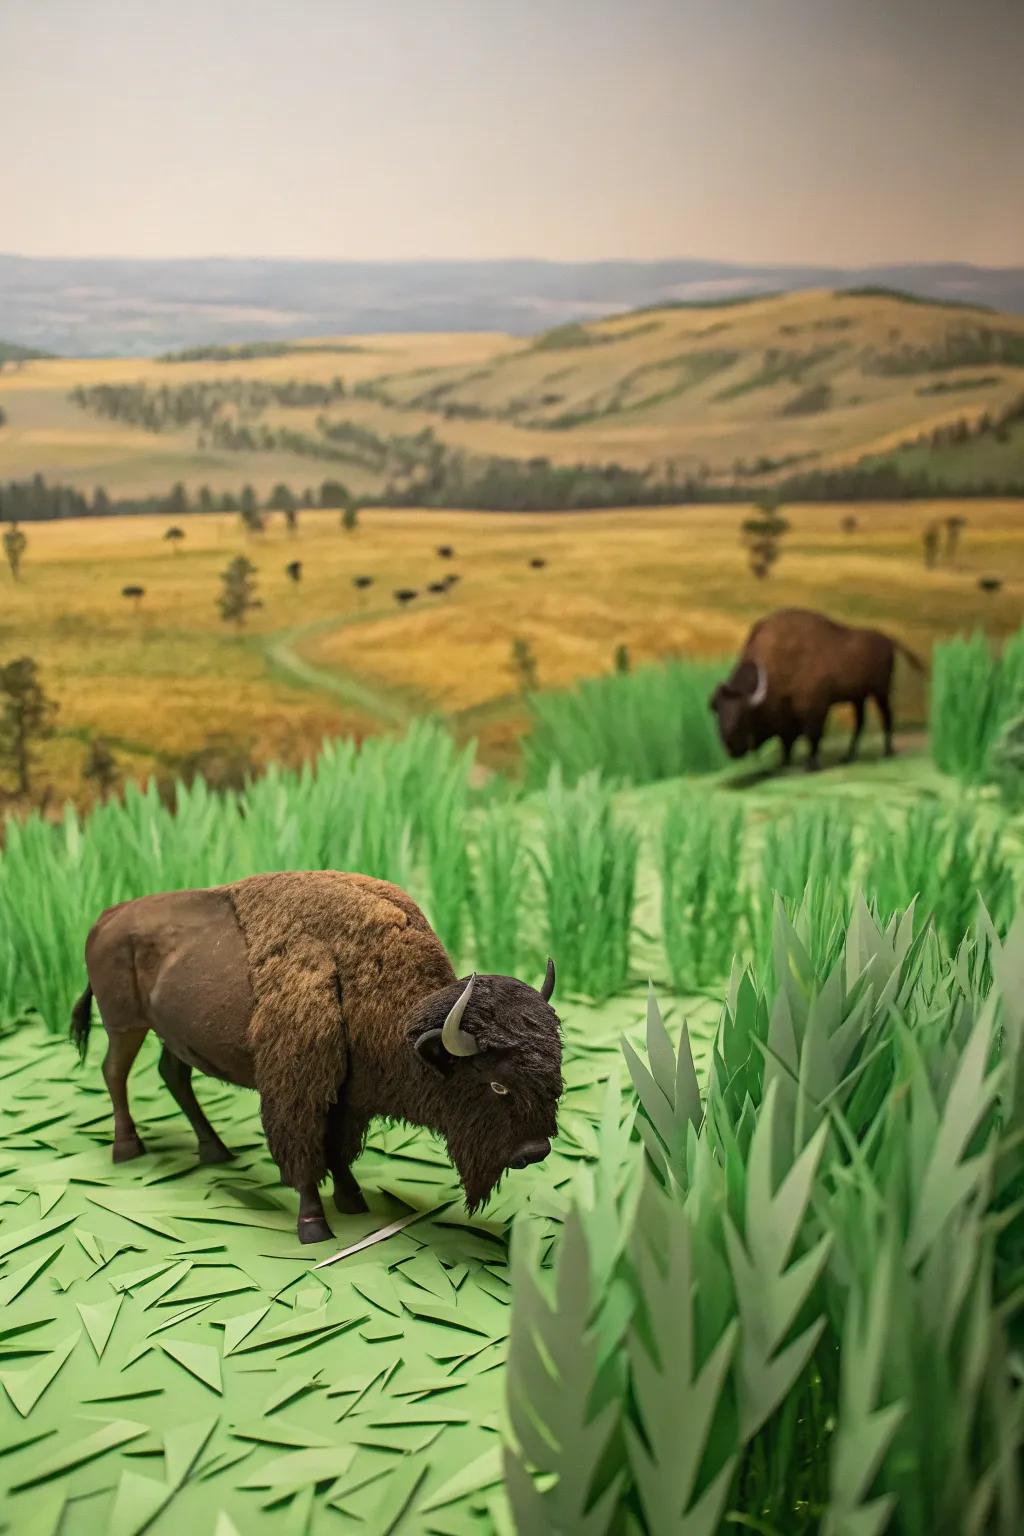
[(314, 1229), (215, 1152), (124, 1151), (350, 1202)]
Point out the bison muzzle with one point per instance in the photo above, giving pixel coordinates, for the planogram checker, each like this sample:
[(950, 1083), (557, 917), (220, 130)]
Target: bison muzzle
[(332, 997)]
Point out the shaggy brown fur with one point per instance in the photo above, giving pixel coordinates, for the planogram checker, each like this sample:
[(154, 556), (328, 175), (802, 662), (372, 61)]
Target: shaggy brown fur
[(326, 992), (807, 663)]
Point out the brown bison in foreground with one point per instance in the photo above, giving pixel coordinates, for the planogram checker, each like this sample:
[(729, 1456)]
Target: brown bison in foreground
[(794, 666), (332, 996)]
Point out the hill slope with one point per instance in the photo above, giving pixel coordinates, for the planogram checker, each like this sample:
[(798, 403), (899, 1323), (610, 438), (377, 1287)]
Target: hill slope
[(746, 393)]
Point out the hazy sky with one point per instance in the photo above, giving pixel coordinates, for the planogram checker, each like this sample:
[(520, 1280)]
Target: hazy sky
[(779, 130)]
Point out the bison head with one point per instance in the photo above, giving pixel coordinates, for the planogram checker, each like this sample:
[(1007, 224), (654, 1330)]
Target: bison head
[(494, 1048), (735, 701)]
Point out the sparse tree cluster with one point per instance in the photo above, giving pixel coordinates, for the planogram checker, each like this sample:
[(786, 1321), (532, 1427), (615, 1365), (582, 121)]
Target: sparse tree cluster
[(15, 545)]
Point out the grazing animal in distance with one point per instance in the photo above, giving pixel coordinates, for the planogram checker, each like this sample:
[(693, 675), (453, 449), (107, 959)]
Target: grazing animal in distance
[(795, 664), (438, 587), (445, 551), (451, 578), (990, 583), (404, 595), (331, 995), (537, 563), (294, 570)]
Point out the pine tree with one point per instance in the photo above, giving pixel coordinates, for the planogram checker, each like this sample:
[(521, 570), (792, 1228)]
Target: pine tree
[(239, 594), (15, 544), (26, 716)]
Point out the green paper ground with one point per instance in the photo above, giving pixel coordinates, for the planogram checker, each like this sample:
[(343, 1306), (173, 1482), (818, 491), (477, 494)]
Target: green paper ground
[(170, 1359)]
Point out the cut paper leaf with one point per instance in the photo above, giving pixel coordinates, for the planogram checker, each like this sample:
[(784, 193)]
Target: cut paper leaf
[(280, 1432), (302, 1467), (382, 1234), (49, 1194), (294, 1387), (398, 1496), (99, 1320), (183, 1446), (112, 1433), (12, 1285), (25, 1388), (137, 1503), (200, 1360), (481, 1473), (238, 1328), (22, 1236)]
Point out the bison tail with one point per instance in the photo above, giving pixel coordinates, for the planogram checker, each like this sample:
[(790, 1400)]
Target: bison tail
[(912, 656), (81, 1022)]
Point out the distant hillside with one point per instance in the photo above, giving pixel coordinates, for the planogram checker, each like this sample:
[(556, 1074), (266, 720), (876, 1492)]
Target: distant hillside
[(813, 395), (11, 352), (99, 307)]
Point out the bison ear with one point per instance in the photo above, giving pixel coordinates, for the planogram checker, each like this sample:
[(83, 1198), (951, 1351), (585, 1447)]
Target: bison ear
[(430, 1048)]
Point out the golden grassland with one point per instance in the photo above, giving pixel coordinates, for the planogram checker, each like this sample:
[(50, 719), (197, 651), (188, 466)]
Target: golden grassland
[(317, 658), (699, 389)]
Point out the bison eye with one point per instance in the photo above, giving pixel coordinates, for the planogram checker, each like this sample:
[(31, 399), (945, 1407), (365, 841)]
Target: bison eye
[(499, 1088)]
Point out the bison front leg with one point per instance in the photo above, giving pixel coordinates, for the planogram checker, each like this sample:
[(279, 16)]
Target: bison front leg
[(300, 1060), (344, 1142)]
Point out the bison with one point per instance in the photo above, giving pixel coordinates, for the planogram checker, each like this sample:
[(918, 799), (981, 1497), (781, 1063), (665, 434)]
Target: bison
[(794, 666), (332, 997)]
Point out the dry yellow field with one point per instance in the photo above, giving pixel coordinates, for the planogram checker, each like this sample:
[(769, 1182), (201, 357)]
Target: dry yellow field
[(317, 659)]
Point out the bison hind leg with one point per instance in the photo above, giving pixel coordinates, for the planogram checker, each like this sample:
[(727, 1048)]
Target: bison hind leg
[(858, 726), (122, 1049), (313, 1224), (177, 1076), (885, 710)]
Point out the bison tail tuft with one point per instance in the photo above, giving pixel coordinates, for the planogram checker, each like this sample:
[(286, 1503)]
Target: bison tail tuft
[(81, 1022)]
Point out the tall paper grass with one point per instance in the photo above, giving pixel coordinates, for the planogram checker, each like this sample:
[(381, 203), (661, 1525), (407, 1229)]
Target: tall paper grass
[(975, 691), (653, 723)]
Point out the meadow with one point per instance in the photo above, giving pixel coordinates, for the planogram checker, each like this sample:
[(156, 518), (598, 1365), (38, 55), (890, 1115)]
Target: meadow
[(162, 680), (169, 1355)]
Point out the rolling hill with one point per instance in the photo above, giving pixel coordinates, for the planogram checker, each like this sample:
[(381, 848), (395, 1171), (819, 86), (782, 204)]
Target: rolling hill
[(724, 399)]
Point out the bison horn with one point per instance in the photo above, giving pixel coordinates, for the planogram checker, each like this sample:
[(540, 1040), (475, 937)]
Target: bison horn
[(548, 984), (456, 1040), (760, 692)]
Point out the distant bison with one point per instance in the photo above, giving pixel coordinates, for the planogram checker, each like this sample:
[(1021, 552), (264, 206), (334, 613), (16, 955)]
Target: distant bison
[(294, 570), (794, 666), (537, 563), (438, 587), (362, 582), (445, 551), (404, 595), (990, 583), (332, 996)]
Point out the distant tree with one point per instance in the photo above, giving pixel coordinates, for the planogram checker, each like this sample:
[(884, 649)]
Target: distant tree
[(849, 523), (229, 503), (350, 516), (101, 506), (291, 519), (136, 594), (334, 494), (174, 536), (206, 499), (537, 563), (621, 660), (308, 498), (294, 570), (100, 766), (26, 716), (177, 501), (930, 544), (3, 414), (239, 594), (15, 544), (249, 510), (954, 524), (523, 664), (762, 535)]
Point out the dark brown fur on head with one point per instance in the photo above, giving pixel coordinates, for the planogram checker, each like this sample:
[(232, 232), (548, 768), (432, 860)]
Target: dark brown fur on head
[(520, 1050)]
